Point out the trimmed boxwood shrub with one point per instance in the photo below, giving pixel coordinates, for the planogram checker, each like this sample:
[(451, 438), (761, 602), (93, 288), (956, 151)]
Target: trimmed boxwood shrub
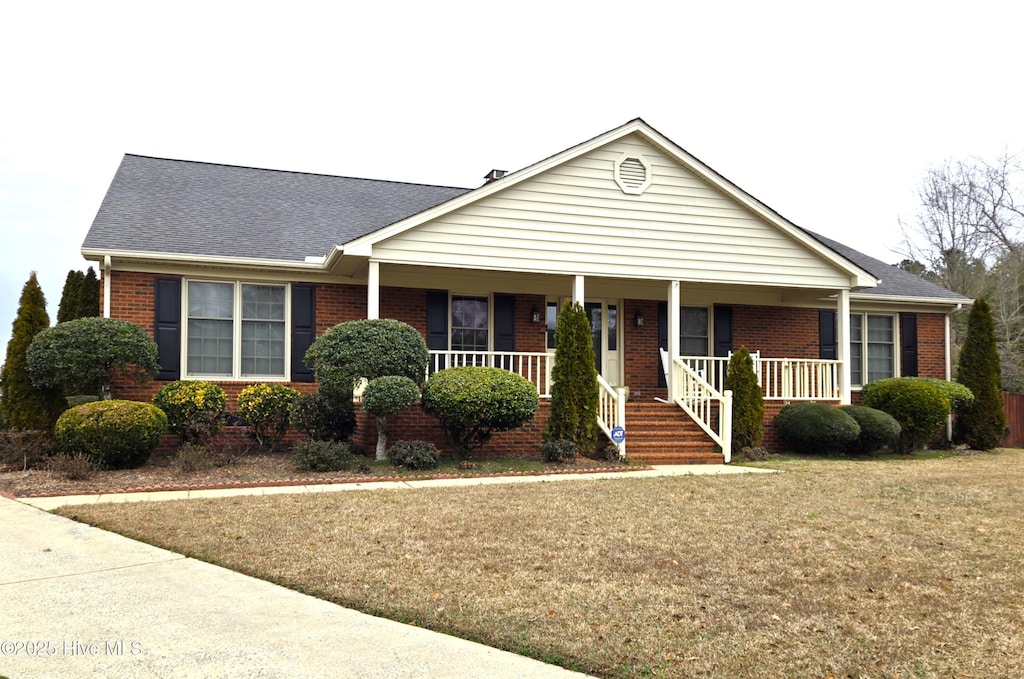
[(413, 455), (265, 409), (115, 434), (368, 349), (559, 451), (327, 415), (920, 408), (322, 456), (810, 427), (473, 402), (195, 409), (878, 430)]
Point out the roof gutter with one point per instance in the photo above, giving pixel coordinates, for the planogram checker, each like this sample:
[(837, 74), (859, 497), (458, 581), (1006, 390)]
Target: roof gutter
[(105, 256)]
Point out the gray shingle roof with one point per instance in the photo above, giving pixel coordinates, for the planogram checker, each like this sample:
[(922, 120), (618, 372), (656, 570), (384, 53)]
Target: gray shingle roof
[(192, 208), (895, 282)]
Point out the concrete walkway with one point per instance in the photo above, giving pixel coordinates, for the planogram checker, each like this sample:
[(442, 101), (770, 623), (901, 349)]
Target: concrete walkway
[(79, 601)]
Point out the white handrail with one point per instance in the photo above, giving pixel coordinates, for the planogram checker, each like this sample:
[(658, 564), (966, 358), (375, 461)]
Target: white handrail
[(781, 379), (533, 365), (611, 411), (701, 401)]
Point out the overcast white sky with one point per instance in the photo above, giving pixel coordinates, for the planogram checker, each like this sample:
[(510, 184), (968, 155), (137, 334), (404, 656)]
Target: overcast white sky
[(830, 113)]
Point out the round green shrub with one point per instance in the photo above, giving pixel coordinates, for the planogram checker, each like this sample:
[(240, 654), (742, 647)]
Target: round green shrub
[(920, 408), (322, 456), (413, 455), (326, 415), (115, 434), (265, 409), (878, 430), (473, 402), (195, 409), (388, 394), (368, 349), (558, 451), (810, 427), (960, 396)]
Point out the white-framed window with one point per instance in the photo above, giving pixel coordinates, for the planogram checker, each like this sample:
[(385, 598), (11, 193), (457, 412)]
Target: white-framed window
[(235, 330), (470, 323), (693, 331), (872, 347)]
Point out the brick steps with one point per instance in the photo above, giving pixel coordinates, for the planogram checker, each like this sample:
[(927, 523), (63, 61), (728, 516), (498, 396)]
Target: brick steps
[(661, 433)]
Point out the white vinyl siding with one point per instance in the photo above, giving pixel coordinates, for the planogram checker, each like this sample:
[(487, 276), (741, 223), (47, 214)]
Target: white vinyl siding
[(235, 330), (574, 219)]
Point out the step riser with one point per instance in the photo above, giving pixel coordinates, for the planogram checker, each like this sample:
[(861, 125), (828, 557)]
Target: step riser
[(661, 433)]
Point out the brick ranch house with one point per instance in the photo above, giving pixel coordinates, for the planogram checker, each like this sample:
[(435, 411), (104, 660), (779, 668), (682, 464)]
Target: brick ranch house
[(236, 270)]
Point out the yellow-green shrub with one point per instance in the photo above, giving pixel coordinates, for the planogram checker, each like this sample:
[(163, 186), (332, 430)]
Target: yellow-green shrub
[(195, 409), (265, 408), (115, 434)]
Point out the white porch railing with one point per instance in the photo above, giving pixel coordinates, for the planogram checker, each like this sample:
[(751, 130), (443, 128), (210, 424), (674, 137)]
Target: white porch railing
[(701, 401), (781, 379), (534, 366), (611, 410)]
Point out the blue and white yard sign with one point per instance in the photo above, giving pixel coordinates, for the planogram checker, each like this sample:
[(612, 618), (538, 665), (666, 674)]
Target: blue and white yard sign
[(618, 434)]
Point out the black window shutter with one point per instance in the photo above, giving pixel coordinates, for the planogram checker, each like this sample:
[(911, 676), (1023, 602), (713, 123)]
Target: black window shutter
[(303, 330), (827, 334), (167, 327), (908, 345), (437, 320), (505, 326), (662, 340), (723, 330)]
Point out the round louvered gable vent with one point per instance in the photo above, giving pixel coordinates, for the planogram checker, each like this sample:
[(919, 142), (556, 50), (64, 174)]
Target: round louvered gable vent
[(632, 173)]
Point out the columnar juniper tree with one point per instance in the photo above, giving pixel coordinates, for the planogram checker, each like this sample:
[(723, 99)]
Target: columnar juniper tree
[(747, 401), (982, 423), (574, 391), (23, 405)]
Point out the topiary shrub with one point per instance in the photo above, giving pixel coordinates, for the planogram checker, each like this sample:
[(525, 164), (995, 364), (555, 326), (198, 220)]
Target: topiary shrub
[(413, 455), (982, 423), (558, 451), (265, 409), (385, 396), (574, 389), (920, 408), (878, 430), (115, 434), (327, 415), (473, 402), (747, 401), (82, 356), (368, 349), (195, 409), (322, 456), (809, 427)]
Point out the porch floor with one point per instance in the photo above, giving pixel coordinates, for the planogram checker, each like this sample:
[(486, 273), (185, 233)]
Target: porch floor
[(661, 433)]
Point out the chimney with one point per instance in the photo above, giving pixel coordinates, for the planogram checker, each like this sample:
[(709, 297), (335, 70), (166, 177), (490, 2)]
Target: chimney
[(494, 175)]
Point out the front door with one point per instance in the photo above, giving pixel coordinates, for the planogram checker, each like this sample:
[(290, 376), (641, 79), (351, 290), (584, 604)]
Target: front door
[(604, 331)]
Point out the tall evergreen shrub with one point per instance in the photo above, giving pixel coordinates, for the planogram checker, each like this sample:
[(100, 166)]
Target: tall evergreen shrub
[(24, 406), (982, 423), (747, 401), (89, 295), (68, 308), (574, 392)]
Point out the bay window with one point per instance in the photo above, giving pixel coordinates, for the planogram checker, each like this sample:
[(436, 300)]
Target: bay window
[(235, 330)]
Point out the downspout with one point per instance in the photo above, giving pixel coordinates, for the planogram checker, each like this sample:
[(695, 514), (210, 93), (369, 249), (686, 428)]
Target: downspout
[(949, 363), (106, 286)]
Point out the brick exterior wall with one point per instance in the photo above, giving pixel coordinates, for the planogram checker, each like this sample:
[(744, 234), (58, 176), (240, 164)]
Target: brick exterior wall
[(775, 331)]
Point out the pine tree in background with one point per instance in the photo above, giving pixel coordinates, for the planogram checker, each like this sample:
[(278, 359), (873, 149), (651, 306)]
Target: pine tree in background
[(981, 424), (22, 405), (747, 401), (574, 390), (68, 308), (89, 295)]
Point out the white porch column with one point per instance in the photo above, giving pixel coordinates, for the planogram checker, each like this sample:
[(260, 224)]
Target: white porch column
[(843, 345), (577, 290), (373, 290), (673, 336)]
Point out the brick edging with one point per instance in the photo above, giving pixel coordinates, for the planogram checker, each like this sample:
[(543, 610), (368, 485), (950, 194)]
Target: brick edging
[(276, 483)]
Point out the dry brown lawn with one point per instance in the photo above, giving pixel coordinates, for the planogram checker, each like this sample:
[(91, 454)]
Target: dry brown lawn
[(900, 568)]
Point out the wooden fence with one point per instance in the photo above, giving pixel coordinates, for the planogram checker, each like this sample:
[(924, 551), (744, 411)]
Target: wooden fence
[(1013, 404)]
